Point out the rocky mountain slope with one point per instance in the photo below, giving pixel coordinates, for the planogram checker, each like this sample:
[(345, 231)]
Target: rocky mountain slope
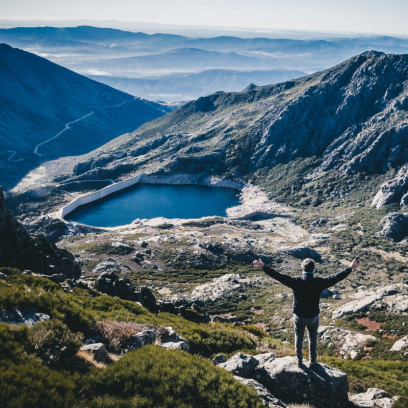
[(48, 111), (19, 249), (351, 119)]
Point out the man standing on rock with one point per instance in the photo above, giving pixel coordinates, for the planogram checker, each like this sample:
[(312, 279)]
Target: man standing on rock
[(306, 296)]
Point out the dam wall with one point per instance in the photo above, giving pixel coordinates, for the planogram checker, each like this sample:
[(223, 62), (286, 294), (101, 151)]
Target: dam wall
[(97, 195)]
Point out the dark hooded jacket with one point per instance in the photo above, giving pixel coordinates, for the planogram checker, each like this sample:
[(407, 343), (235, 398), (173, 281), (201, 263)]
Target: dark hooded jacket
[(307, 289)]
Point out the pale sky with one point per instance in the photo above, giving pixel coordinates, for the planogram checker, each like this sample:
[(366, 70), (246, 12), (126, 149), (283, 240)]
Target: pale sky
[(354, 16)]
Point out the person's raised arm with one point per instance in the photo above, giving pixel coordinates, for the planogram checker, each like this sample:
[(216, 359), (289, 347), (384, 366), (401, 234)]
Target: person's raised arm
[(280, 277), (339, 276)]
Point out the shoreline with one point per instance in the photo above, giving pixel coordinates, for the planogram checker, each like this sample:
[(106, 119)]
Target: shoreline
[(254, 202)]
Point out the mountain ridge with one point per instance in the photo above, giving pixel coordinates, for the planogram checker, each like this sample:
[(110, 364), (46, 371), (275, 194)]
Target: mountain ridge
[(328, 117)]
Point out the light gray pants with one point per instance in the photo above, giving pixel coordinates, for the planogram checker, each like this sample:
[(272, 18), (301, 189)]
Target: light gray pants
[(312, 325)]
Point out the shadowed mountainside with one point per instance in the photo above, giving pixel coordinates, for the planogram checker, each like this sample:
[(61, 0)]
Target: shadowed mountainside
[(48, 111)]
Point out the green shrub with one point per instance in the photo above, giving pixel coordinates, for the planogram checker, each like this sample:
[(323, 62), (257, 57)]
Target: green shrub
[(53, 342), (154, 377)]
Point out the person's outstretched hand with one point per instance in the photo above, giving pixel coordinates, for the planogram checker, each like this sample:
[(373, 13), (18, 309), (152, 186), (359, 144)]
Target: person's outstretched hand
[(355, 263), (258, 263)]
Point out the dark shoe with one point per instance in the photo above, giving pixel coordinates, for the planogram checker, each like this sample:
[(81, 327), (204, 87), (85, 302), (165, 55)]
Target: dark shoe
[(301, 365), (313, 365)]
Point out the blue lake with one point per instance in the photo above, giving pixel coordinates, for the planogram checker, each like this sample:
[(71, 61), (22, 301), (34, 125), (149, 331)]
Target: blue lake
[(156, 200)]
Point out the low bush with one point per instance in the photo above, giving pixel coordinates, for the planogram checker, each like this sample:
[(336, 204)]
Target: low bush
[(154, 377)]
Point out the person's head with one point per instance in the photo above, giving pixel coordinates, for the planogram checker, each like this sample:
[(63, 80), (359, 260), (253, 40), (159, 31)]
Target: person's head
[(308, 265)]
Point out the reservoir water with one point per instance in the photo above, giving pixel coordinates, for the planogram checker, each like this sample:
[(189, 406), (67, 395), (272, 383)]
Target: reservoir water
[(156, 200)]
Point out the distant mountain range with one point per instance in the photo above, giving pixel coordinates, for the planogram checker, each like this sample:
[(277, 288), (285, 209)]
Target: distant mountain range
[(48, 112), (171, 63), (351, 119)]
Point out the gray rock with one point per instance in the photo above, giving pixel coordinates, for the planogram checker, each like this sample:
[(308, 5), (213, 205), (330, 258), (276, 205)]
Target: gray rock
[(394, 226), (25, 315), (107, 266), (171, 340), (268, 399), (393, 297), (322, 387), (3, 276), (392, 190), (218, 359), (264, 358), (241, 364), (348, 343), (221, 288), (140, 339), (373, 398), (22, 251), (180, 345), (98, 350), (400, 345)]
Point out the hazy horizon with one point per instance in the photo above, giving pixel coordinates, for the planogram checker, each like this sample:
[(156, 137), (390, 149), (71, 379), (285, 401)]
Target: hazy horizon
[(317, 17)]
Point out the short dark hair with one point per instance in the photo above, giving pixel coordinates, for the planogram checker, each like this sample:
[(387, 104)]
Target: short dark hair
[(308, 265)]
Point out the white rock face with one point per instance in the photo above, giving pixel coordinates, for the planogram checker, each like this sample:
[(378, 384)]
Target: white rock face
[(180, 345), (400, 345), (393, 189), (393, 297), (224, 286), (350, 343), (373, 398)]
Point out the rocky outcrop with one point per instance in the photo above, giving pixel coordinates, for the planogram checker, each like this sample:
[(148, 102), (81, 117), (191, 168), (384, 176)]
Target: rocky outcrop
[(394, 226), (373, 398), (141, 339), (347, 343), (241, 364), (112, 284), (170, 340), (322, 386), (268, 399), (221, 289), (400, 345), (98, 351), (20, 250), (393, 190), (393, 298), (23, 315)]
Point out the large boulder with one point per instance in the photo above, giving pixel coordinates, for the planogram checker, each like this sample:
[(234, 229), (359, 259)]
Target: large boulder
[(170, 340), (98, 350), (392, 190), (373, 398), (400, 345), (20, 250), (268, 399), (394, 226), (348, 343), (394, 298), (322, 386), (241, 364)]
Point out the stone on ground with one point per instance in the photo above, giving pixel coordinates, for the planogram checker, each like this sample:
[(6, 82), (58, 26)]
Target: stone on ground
[(322, 386)]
